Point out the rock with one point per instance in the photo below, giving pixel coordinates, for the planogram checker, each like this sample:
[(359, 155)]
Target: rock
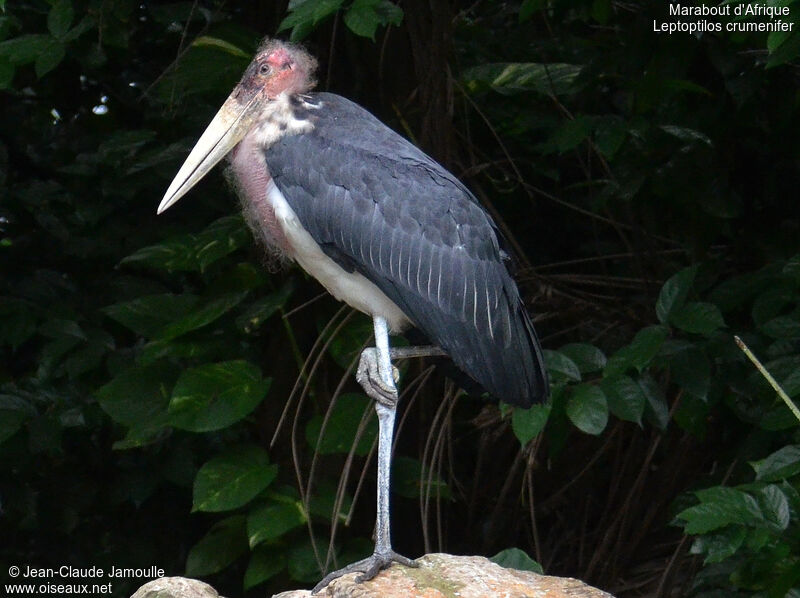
[(449, 576), (175, 587), (439, 576)]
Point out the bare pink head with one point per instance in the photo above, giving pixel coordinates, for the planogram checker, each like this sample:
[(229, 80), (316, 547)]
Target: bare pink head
[(278, 67)]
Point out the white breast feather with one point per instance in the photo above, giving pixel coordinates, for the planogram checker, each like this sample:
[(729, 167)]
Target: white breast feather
[(350, 287)]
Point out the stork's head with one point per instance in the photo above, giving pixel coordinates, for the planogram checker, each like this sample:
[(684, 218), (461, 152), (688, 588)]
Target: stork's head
[(278, 69)]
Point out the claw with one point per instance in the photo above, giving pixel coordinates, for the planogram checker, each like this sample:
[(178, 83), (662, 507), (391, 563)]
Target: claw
[(368, 376), (368, 567)]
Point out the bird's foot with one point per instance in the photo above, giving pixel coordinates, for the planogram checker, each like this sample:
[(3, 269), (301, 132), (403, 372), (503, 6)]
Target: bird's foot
[(369, 377), (368, 567)]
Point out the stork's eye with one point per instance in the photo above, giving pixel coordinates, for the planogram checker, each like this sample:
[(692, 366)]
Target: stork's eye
[(264, 69)]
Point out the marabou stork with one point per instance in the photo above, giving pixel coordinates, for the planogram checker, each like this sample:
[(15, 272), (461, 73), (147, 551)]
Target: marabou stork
[(383, 227)]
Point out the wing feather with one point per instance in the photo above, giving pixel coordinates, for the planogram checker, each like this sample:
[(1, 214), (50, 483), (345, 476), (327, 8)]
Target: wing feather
[(373, 200)]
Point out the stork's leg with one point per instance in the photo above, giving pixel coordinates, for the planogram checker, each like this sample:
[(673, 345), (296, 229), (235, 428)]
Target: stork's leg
[(376, 375)]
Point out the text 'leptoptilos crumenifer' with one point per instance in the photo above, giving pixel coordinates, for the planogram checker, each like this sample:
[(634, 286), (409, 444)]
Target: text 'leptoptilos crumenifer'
[(382, 226)]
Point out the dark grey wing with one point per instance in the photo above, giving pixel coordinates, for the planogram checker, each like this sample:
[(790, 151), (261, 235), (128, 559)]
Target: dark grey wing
[(377, 204)]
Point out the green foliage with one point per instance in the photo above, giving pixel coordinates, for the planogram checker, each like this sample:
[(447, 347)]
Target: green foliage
[(528, 423), (145, 362), (221, 546), (516, 77), (741, 527), (362, 17), (215, 395), (271, 520), (341, 429), (233, 479), (750, 526), (514, 558), (587, 408)]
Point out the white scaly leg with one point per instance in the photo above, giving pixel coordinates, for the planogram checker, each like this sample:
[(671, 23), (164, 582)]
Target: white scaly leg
[(376, 375)]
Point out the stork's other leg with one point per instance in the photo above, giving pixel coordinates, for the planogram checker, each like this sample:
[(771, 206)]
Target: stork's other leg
[(376, 375)]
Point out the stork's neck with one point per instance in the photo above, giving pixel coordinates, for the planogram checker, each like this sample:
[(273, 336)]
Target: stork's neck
[(285, 115)]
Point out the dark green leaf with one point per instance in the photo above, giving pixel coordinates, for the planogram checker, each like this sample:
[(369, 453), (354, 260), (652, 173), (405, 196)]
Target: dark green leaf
[(220, 547), (257, 314), (691, 414), (342, 426), (625, 397), (674, 292), (138, 397), (265, 562), (720, 506), (691, 371), (571, 133), (777, 417), (202, 349), (176, 254), (85, 24), (323, 502), (718, 546), (774, 507), (686, 134), (24, 49), (780, 465), (559, 364), (303, 564), (149, 315), (587, 408), (216, 395), (87, 357), (609, 135), (784, 50), (698, 318), (528, 423), (639, 353), (350, 340), (272, 520), (365, 16), (168, 316), (50, 58), (587, 357), (307, 14), (771, 303), (244, 276), (206, 40), (190, 75), (60, 18), (656, 409), (411, 481), (514, 558), (197, 251), (735, 292), (202, 316), (518, 77), (233, 479), (782, 327)]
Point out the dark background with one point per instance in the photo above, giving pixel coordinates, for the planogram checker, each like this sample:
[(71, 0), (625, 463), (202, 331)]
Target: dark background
[(646, 185)]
